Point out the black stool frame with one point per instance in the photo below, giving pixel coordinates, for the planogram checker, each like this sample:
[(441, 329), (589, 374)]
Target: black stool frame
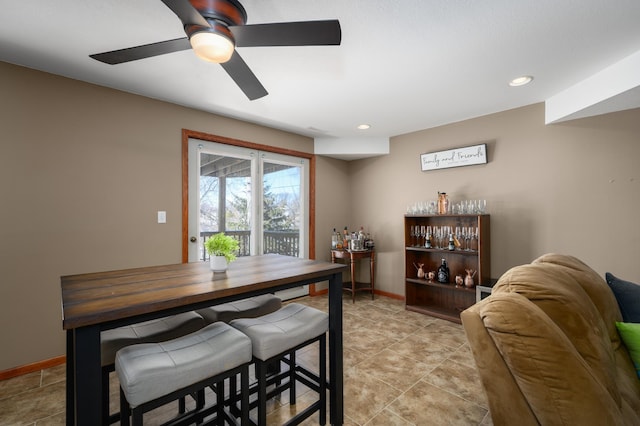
[(265, 377)]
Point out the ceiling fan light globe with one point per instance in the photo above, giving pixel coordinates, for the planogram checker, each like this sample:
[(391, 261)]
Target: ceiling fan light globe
[(212, 47)]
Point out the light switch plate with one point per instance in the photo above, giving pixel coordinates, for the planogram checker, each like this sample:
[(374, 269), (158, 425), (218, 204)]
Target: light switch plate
[(162, 216)]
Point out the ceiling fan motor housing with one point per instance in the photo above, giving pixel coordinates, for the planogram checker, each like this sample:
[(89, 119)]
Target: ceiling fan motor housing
[(229, 12), (220, 14)]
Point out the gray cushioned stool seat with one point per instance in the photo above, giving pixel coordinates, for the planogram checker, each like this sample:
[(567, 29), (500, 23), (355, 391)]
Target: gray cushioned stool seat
[(246, 308), (151, 370), (157, 330), (290, 326)]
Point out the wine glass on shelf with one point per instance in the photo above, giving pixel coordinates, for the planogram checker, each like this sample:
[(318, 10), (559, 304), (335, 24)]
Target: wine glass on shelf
[(467, 238), (474, 240), (444, 237), (472, 207), (423, 235), (482, 206)]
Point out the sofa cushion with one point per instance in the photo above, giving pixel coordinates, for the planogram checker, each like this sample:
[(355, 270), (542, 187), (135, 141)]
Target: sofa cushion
[(628, 296)]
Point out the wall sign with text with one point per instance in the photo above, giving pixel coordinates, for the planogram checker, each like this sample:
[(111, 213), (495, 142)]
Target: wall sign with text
[(457, 157)]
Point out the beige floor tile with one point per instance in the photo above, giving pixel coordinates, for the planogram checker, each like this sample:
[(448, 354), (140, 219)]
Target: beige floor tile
[(392, 329), (365, 396), (459, 379), (425, 404), (54, 374), (55, 420), (387, 418), (394, 369), (28, 407), (413, 318), (19, 384), (449, 334), (422, 350)]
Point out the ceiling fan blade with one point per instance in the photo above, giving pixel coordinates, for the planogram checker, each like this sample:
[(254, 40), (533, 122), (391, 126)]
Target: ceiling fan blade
[(306, 33), (240, 72), (140, 52), (186, 12)]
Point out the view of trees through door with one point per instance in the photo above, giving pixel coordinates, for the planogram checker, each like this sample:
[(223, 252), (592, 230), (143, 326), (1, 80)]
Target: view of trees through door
[(271, 217)]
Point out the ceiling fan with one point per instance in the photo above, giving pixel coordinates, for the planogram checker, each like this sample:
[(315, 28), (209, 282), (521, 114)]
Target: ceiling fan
[(215, 28)]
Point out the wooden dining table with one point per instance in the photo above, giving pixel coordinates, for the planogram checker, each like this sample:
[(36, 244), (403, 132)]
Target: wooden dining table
[(100, 301)]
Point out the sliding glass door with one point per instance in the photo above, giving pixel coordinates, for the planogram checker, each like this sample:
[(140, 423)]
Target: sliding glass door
[(258, 197)]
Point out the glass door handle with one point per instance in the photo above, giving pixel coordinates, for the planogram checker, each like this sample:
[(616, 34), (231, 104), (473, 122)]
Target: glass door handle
[(193, 239)]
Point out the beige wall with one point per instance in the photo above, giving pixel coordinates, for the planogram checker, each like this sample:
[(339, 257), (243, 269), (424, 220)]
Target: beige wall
[(570, 188), (83, 170)]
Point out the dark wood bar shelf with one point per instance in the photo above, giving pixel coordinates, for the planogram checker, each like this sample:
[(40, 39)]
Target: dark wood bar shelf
[(440, 300), (432, 250), (451, 287)]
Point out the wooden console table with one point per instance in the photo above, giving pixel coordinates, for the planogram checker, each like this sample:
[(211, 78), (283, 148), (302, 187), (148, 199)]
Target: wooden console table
[(351, 257)]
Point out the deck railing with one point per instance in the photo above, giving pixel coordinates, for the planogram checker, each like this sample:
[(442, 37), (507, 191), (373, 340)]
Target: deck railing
[(279, 242)]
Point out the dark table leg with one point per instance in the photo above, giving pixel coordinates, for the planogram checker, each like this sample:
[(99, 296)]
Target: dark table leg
[(372, 271), (87, 377), (352, 262), (71, 410), (336, 378)]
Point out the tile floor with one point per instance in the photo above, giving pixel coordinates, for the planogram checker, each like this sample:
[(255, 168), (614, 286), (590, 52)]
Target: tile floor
[(401, 368)]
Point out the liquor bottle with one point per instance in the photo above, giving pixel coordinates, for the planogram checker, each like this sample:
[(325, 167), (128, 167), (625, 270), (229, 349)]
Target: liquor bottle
[(452, 245), (334, 239), (345, 238), (368, 242), (443, 273)]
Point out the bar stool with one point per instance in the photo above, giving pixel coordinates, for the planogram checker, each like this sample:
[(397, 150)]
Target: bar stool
[(153, 374), (158, 330), (246, 308), (276, 337)]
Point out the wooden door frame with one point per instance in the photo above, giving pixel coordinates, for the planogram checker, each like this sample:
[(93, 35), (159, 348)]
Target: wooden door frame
[(186, 134)]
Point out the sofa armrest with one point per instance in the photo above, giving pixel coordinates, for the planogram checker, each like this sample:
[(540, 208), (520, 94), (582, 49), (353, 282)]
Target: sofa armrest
[(530, 370)]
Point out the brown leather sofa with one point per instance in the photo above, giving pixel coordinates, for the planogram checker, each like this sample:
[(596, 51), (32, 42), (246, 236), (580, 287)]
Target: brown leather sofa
[(547, 350)]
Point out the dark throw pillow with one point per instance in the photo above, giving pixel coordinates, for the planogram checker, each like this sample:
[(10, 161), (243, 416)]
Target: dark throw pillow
[(628, 297)]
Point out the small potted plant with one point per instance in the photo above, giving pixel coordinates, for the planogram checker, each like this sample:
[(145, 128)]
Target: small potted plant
[(222, 250)]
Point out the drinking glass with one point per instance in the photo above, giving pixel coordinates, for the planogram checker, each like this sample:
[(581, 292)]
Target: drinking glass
[(482, 206), (467, 239), (474, 240)]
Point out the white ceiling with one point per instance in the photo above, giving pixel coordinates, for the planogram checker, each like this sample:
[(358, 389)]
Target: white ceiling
[(403, 65)]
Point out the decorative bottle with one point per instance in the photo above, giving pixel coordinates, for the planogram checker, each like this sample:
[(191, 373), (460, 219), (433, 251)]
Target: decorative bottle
[(334, 240), (452, 245), (443, 203), (345, 237), (443, 272)]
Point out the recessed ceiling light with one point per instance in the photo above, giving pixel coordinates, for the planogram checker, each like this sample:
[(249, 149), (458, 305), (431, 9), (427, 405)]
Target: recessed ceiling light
[(521, 81), (364, 126)]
